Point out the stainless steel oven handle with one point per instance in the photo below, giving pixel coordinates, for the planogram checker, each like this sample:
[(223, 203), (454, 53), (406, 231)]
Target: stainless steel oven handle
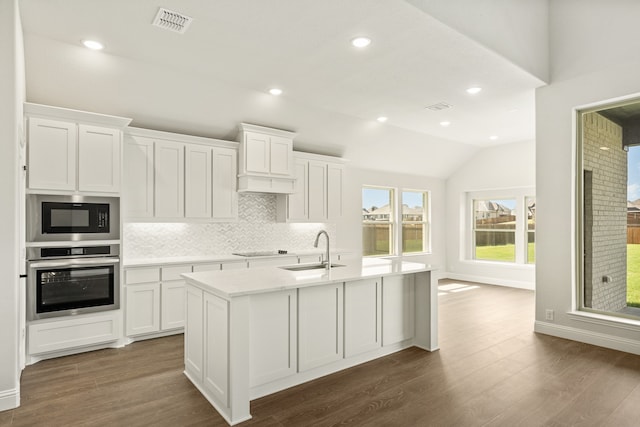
[(74, 262)]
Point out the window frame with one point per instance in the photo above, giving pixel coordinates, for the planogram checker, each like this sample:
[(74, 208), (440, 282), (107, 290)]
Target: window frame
[(426, 222), (393, 246), (475, 230)]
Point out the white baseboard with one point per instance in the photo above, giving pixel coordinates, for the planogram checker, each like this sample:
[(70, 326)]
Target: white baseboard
[(9, 399), (489, 280), (588, 337)]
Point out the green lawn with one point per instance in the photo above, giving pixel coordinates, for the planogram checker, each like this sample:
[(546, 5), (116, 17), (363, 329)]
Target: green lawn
[(505, 253), (633, 275)]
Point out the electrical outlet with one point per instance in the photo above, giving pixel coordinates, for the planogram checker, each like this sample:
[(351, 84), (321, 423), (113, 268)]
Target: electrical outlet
[(548, 314)]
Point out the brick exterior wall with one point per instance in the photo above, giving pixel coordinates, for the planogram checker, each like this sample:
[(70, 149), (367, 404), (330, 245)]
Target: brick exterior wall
[(605, 214)]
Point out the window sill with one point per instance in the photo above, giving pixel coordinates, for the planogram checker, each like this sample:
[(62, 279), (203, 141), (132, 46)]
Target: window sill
[(605, 320)]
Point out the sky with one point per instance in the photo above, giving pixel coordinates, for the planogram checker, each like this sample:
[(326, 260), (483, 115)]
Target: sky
[(379, 197), (633, 173)]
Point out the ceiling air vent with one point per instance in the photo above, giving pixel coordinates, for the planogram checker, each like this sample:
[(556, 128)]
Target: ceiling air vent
[(173, 21), (439, 106)]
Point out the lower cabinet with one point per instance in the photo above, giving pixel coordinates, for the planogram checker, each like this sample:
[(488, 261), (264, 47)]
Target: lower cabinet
[(398, 299), (362, 316), (155, 299), (216, 348), (320, 325), (273, 336)]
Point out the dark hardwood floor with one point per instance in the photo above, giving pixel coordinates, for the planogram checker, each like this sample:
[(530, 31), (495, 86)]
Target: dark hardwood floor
[(492, 370)]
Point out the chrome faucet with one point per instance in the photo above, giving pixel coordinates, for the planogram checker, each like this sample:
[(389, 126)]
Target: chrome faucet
[(327, 259)]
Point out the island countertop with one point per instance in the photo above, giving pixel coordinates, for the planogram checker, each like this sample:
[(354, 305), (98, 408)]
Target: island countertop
[(234, 283)]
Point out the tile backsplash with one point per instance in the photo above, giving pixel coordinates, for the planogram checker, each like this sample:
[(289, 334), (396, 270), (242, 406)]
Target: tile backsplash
[(256, 229)]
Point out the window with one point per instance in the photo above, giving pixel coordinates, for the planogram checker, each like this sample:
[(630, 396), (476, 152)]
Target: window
[(530, 203), (494, 232), (415, 230), (378, 221)]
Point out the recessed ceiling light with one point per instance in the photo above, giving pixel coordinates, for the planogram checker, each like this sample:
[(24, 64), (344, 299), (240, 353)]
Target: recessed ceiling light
[(92, 44), (361, 41), (493, 137), (275, 91), (382, 119), (445, 124), (473, 90), (605, 148)]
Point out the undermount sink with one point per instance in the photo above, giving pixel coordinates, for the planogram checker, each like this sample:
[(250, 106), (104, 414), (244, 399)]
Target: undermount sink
[(302, 267)]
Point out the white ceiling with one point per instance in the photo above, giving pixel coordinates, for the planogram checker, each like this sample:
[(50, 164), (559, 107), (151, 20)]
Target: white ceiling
[(217, 74)]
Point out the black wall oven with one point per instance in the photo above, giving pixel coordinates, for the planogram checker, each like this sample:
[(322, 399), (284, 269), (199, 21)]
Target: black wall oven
[(68, 280), (72, 218)]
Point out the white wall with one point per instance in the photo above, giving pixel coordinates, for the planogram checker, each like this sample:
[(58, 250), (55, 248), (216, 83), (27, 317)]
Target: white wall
[(350, 229), (613, 76), (501, 171), (12, 96)]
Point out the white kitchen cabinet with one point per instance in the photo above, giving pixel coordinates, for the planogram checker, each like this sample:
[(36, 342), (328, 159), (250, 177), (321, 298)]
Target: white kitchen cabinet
[(99, 159), (317, 192), (398, 298), (70, 151), (143, 309), (197, 182), (320, 325), (194, 339), (224, 186), (169, 179), (335, 195), (236, 265), (207, 267), (273, 338), (52, 154), (362, 316), (318, 195), (266, 159), (172, 305), (216, 345), (137, 192)]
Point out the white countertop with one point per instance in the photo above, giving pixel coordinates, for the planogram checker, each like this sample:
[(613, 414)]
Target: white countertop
[(234, 283), (195, 259)]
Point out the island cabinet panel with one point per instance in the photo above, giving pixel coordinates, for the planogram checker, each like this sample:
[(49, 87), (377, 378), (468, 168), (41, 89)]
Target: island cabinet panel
[(362, 316), (273, 338), (193, 334), (216, 348), (320, 325), (398, 299)]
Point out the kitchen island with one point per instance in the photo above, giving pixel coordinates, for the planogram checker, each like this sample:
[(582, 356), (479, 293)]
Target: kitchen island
[(253, 332)]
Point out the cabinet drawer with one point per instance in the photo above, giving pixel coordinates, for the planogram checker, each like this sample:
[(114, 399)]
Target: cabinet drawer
[(206, 267), (142, 275), (173, 273)]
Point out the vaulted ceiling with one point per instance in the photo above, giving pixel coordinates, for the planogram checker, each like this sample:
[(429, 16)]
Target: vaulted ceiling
[(218, 73)]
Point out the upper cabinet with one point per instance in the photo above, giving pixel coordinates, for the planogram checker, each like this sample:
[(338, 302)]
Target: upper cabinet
[(73, 151), (266, 160), (318, 190), (176, 177)]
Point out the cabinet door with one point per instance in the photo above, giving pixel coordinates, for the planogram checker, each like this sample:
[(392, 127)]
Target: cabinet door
[(197, 181), (193, 333), (172, 305), (397, 308), (169, 179), (362, 316), (273, 336), (52, 154), (298, 201), (317, 191), (138, 176), (281, 156), (320, 325), (335, 181), (143, 309), (216, 347), (99, 159), (256, 152), (225, 179)]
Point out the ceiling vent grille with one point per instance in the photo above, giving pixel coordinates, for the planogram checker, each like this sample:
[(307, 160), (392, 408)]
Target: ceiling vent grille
[(439, 106), (173, 21)]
